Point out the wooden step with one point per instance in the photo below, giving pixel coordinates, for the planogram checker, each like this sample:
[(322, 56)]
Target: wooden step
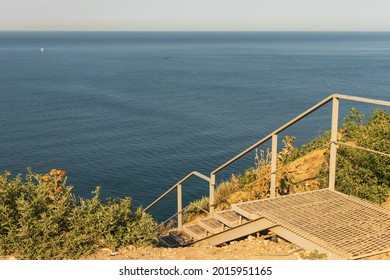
[(229, 218), (211, 225), (181, 237), (195, 231), (247, 209), (169, 241)]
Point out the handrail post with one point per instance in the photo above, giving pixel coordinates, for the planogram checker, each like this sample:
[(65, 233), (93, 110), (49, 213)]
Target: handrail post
[(273, 165), (211, 197), (333, 145), (179, 208)]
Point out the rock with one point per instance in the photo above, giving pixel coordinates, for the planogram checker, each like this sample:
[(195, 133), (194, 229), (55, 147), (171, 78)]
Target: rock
[(274, 239), (251, 237)]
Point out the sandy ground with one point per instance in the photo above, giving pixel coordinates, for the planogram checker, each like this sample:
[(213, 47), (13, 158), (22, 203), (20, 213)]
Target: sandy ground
[(251, 248)]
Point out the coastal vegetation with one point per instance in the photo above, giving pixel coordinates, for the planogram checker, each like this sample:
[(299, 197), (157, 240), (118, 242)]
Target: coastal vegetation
[(40, 218), (364, 173)]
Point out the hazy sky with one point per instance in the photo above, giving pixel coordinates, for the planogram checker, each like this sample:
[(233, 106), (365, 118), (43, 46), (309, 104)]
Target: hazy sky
[(235, 15)]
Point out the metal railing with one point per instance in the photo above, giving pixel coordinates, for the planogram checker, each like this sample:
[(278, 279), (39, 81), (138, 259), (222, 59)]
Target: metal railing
[(178, 186), (334, 98)]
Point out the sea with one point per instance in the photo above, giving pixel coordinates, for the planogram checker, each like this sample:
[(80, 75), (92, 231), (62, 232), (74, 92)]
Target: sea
[(134, 112)]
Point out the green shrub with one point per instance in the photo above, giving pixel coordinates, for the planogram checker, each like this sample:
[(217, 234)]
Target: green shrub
[(40, 218), (362, 173), (196, 209), (313, 255)]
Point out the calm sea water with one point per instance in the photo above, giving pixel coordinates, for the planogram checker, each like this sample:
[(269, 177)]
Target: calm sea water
[(135, 112)]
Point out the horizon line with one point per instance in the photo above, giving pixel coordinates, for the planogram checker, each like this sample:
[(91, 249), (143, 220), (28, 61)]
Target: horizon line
[(195, 31)]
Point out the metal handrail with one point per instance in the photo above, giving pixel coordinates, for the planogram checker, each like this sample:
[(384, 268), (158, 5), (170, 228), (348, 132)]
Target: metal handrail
[(189, 175), (362, 99), (176, 214), (274, 136), (296, 119), (363, 149)]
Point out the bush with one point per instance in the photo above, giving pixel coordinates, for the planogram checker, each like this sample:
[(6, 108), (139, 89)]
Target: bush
[(42, 219), (198, 208), (362, 173)]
